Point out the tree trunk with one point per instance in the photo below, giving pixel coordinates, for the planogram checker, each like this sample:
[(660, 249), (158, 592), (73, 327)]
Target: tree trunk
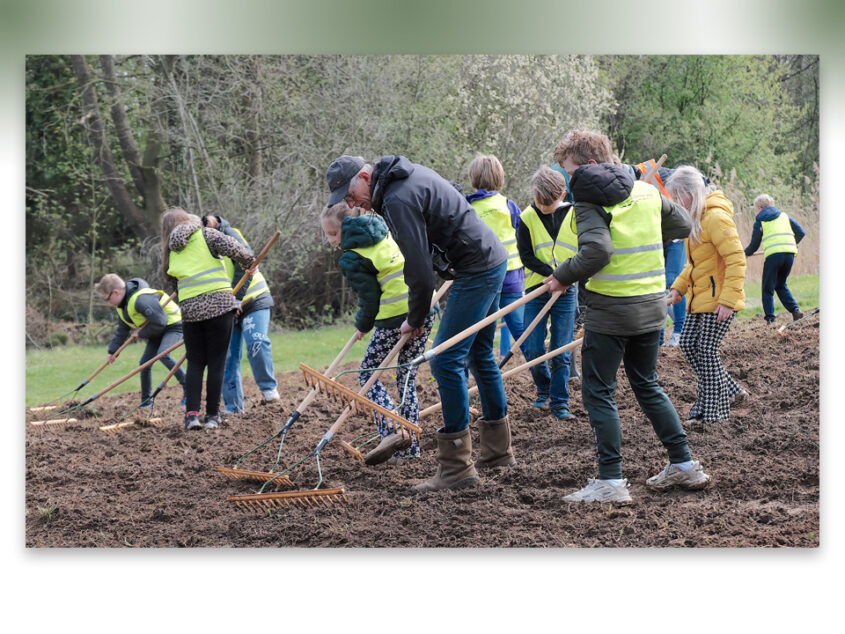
[(143, 171), (93, 122)]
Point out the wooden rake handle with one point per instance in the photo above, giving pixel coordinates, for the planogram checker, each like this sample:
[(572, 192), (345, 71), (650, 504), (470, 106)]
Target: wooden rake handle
[(249, 272), (652, 171), (530, 328), (537, 292), (530, 364)]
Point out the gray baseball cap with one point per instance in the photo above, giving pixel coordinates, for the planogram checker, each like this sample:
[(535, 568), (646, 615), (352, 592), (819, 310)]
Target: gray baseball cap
[(340, 173)]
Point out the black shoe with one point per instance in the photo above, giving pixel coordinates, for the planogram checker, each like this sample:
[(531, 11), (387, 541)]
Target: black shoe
[(211, 422), (192, 421)]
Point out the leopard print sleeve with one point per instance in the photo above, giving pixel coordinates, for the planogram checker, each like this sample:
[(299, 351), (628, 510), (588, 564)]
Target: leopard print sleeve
[(222, 245)]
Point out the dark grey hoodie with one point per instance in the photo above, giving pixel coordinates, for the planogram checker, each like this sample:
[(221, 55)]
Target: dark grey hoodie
[(593, 187)]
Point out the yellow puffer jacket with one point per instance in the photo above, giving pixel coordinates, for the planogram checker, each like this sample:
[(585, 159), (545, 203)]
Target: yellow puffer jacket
[(715, 269)]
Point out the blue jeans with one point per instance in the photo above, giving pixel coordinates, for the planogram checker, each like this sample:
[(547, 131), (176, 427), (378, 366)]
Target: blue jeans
[(561, 318), (676, 258), (252, 331), (514, 323), (471, 299), (776, 269)]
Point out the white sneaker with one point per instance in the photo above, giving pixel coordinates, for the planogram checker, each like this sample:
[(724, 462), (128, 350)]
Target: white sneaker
[(673, 475), (742, 397), (270, 395), (674, 340), (600, 491)]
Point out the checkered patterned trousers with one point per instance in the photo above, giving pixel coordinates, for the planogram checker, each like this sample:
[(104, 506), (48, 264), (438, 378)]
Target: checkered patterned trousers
[(700, 341), (381, 343)]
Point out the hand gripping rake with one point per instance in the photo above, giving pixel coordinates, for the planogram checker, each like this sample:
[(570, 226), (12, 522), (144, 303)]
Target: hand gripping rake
[(132, 337), (320, 382), (572, 345), (530, 327)]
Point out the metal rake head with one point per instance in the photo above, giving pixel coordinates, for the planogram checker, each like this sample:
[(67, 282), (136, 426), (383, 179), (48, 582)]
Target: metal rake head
[(269, 501), (358, 402), (255, 476), (119, 427)]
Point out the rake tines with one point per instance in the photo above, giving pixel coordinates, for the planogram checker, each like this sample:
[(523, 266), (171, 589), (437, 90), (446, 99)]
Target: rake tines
[(56, 422), (307, 499), (352, 451), (255, 476), (355, 401), (119, 427)]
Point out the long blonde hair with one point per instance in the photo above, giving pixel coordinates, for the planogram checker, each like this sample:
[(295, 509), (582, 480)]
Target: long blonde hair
[(171, 219), (688, 180)]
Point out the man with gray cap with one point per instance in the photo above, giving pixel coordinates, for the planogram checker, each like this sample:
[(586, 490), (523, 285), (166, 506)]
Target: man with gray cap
[(436, 228)]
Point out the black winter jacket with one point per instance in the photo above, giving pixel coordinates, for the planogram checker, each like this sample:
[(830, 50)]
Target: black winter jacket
[(603, 185), (424, 212)]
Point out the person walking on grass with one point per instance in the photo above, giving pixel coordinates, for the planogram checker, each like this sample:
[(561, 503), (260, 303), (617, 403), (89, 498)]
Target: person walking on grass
[(160, 323), (546, 238), (192, 262), (252, 323), (713, 279), (434, 225), (779, 236), (372, 264), (622, 225), (501, 214)]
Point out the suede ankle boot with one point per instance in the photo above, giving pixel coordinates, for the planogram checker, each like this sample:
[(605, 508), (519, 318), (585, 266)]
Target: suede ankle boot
[(455, 468), (495, 439)]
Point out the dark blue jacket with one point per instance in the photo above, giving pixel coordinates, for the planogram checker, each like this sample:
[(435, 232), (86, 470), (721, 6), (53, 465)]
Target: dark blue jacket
[(424, 213), (765, 215)]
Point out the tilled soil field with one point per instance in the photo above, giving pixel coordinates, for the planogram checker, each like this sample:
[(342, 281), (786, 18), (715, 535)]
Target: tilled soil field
[(157, 486)]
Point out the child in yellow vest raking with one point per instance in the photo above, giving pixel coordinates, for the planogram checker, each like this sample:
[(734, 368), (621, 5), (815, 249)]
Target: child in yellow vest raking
[(372, 264), (191, 258), (547, 237), (160, 323)]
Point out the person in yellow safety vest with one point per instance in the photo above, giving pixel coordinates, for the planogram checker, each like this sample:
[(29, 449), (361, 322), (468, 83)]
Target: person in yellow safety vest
[(192, 260), (547, 237), (156, 320), (622, 225), (251, 327), (779, 236), (501, 214), (373, 265)]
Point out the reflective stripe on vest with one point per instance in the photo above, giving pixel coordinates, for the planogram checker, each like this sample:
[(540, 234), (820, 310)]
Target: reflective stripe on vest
[(548, 251), (778, 236), (389, 262), (132, 318), (196, 257), (257, 284), (658, 182), (494, 211), (636, 266)]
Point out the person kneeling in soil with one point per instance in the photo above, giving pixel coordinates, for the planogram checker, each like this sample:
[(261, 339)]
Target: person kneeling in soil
[(713, 278), (372, 264), (547, 237), (622, 226), (191, 258), (251, 325), (433, 224), (160, 323)]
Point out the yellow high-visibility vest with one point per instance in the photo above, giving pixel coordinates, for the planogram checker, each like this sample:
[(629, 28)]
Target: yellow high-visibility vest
[(778, 236), (132, 318), (257, 284), (551, 252), (636, 266), (197, 271), (390, 264), (494, 211)]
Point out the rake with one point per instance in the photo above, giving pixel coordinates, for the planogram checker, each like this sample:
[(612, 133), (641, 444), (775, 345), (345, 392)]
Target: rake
[(353, 402), (530, 327), (119, 427), (235, 473), (572, 345), (815, 311), (151, 400)]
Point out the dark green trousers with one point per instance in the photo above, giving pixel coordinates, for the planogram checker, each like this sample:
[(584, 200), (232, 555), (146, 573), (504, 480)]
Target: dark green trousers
[(601, 356)]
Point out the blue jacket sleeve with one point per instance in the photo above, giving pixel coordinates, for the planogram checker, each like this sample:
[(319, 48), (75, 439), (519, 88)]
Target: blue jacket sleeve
[(797, 230), (756, 237)]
